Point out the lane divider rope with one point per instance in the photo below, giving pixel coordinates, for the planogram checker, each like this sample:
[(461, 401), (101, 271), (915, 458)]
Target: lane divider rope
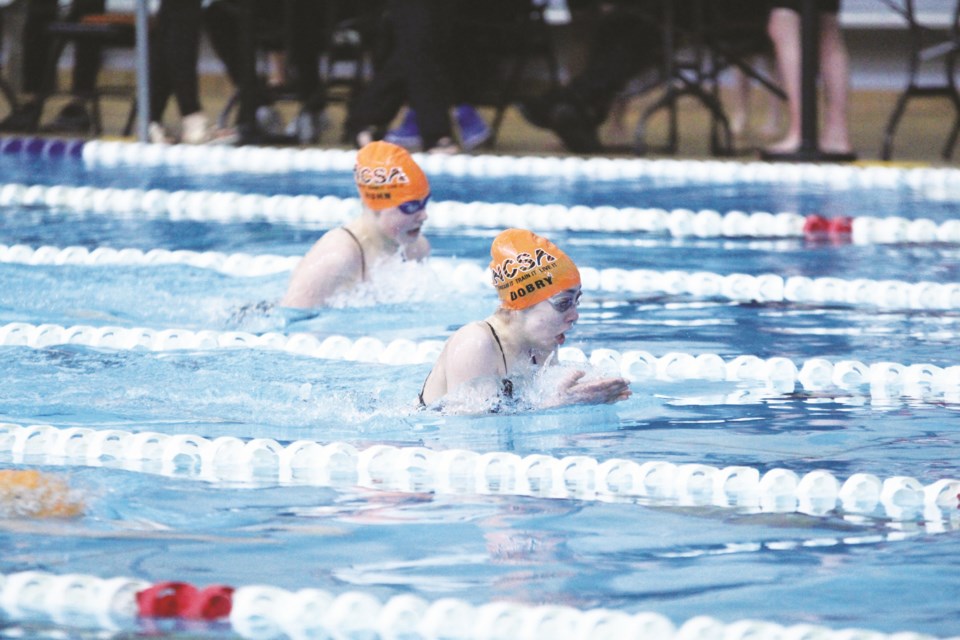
[(266, 611), (943, 180), (336, 347), (782, 375), (740, 287), (224, 206), (235, 264), (42, 146), (462, 472), (770, 287)]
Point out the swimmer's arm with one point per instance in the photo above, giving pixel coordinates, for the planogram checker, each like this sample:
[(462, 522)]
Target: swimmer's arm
[(602, 391), (327, 267)]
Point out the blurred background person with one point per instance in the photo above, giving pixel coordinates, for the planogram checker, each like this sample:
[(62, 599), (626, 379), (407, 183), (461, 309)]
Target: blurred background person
[(784, 27), (34, 64), (174, 55), (292, 43)]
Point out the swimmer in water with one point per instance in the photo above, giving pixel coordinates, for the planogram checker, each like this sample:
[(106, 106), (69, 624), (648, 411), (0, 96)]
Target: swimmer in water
[(27, 493), (539, 289), (394, 193)]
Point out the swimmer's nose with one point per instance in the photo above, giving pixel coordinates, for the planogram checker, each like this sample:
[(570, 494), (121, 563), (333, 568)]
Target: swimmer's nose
[(573, 314)]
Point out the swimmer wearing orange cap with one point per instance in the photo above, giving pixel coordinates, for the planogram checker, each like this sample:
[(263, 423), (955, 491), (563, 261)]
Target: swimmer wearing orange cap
[(394, 193), (27, 493), (539, 290)]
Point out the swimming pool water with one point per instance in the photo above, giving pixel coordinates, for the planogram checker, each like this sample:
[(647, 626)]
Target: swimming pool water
[(679, 560)]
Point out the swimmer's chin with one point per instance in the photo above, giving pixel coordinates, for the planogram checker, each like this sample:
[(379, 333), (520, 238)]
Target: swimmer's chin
[(561, 339)]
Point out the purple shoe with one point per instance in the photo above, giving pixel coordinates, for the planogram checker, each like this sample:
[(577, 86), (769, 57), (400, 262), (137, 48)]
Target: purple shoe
[(407, 134), (473, 130)]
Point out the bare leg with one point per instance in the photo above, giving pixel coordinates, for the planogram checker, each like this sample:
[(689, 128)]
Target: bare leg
[(771, 119), (740, 110), (834, 69), (784, 29)]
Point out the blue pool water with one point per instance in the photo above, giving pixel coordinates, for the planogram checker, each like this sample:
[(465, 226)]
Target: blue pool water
[(873, 572)]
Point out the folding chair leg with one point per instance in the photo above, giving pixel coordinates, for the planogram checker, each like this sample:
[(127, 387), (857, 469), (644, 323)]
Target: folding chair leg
[(719, 120), (48, 84), (667, 101), (96, 119), (131, 119), (951, 139), (491, 142), (887, 151), (9, 95), (223, 120)]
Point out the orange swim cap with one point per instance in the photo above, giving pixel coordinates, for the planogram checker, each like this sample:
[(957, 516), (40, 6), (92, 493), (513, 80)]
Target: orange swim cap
[(387, 176), (32, 494), (528, 269)]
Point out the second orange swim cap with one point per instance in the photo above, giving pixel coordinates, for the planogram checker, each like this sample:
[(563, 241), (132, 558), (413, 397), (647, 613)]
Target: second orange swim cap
[(528, 269), (387, 176), (27, 493)]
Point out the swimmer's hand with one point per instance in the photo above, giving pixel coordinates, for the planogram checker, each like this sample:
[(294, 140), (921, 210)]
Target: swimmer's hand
[(602, 391)]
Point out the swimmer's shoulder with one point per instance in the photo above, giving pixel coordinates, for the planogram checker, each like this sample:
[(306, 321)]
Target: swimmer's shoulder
[(474, 343), (477, 330), (336, 248)]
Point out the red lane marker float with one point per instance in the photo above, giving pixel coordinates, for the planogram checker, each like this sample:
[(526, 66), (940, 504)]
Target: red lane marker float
[(816, 226), (211, 603), (183, 600)]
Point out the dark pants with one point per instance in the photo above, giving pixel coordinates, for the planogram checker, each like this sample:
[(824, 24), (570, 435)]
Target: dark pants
[(301, 37), (37, 45), (823, 6), (415, 72), (628, 40), (624, 44), (443, 52), (174, 53)]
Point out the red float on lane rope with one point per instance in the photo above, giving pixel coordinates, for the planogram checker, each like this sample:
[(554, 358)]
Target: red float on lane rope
[(842, 225), (816, 226), (213, 602), (183, 600)]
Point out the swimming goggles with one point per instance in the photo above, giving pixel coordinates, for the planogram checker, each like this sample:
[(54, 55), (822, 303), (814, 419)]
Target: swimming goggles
[(411, 207), (564, 304)]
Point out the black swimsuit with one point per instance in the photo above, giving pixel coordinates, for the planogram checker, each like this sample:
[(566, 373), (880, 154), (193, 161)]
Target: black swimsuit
[(506, 384), (363, 261)]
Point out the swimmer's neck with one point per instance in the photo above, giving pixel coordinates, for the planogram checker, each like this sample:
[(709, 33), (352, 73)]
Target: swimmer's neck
[(519, 351), (367, 230)]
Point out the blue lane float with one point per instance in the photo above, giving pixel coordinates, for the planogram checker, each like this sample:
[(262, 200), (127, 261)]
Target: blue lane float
[(45, 147)]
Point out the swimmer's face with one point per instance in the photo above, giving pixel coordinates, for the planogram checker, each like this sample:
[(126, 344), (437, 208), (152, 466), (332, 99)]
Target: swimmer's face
[(403, 227), (549, 321)]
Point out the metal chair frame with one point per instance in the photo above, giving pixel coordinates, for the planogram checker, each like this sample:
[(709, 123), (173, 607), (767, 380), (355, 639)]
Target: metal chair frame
[(923, 50), (114, 32), (693, 59)]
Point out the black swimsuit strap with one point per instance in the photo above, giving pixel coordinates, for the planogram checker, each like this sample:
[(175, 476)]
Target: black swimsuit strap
[(363, 262), (502, 354), (507, 384)]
